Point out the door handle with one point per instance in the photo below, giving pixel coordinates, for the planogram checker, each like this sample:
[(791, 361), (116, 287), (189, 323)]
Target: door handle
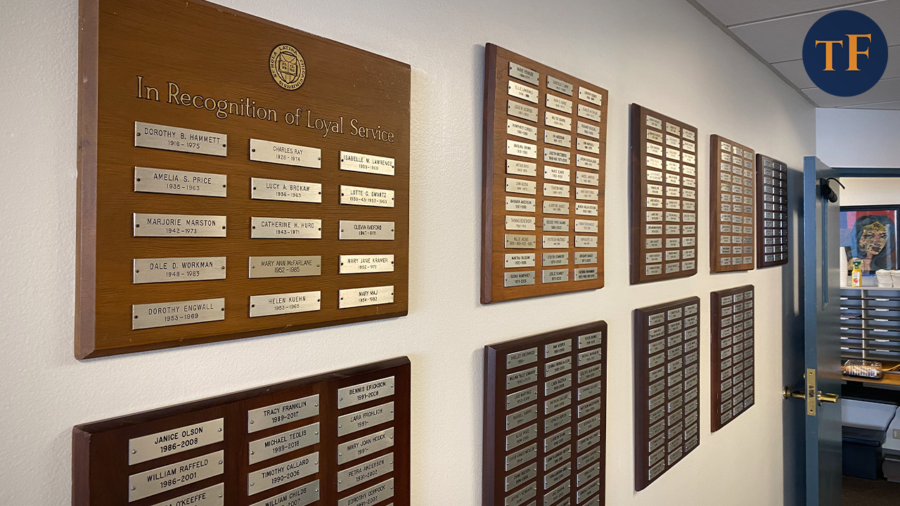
[(831, 398), (787, 393)]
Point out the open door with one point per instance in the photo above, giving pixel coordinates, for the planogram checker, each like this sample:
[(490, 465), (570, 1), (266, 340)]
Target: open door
[(820, 300)]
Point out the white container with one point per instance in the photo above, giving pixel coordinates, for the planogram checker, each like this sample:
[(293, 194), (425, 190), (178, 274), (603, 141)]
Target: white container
[(884, 278), (895, 276)]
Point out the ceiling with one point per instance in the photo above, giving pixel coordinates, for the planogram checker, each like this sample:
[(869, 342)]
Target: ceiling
[(774, 30)]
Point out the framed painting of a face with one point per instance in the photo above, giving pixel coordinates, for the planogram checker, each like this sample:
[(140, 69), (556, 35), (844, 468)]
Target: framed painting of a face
[(869, 234)]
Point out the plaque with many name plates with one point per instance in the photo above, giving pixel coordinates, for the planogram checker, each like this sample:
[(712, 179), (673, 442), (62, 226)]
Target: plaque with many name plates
[(544, 180), (732, 337), (666, 397), (731, 203), (545, 419), (771, 212), (339, 438), (236, 178), (664, 197)]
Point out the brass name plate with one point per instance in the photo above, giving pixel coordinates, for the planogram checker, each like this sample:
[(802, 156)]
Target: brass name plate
[(180, 182), (372, 495), (363, 419), (366, 230), (300, 496), (285, 228), (280, 474), (365, 392), (282, 413), (285, 267), (174, 441), (279, 444), (178, 225), (287, 191), (169, 138), (284, 303), (211, 496), (367, 471), (285, 154), (358, 448), (356, 162), (166, 314), (359, 264), (370, 296), (361, 196), (169, 270), (165, 478)]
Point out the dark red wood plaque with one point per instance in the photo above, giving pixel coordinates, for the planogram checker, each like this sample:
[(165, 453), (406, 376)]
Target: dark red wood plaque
[(288, 443), (666, 396), (772, 239), (731, 200), (545, 419), (663, 197), (731, 374)]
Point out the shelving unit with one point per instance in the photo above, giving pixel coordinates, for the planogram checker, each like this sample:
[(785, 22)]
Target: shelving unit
[(870, 324)]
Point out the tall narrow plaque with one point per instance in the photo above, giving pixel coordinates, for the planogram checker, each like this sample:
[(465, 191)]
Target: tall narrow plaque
[(545, 418), (772, 239), (545, 173), (667, 387), (732, 169), (663, 197), (732, 334), (278, 444)]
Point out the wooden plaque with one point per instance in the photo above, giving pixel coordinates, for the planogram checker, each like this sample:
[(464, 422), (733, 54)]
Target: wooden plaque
[(732, 331), (667, 404), (663, 197), (232, 446), (545, 418), (223, 157), (772, 239), (731, 201), (544, 180)]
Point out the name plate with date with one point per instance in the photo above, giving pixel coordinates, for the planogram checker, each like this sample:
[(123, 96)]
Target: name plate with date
[(272, 445), (278, 172)]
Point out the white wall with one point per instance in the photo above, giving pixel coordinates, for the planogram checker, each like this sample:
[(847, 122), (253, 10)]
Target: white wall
[(863, 191), (858, 138), (660, 53)]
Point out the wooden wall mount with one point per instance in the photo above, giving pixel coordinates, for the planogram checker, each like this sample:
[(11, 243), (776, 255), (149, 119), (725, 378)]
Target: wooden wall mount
[(772, 238), (731, 205), (544, 181), (732, 336)]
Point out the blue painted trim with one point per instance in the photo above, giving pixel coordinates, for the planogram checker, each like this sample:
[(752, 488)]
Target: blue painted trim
[(864, 171)]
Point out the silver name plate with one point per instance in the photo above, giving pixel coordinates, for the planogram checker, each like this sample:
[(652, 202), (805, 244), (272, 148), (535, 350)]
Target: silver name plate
[(361, 196), (363, 419), (165, 478), (365, 392), (280, 474), (524, 73), (301, 496), (180, 182), (520, 358), (178, 225), (520, 457), (169, 270), (370, 164), (185, 140), (211, 496), (372, 495), (287, 191), (167, 314), (285, 267), (366, 230), (517, 379), (174, 441), (367, 471), (285, 228), (364, 264), (279, 444), (518, 278), (284, 303), (285, 154), (369, 296), (280, 414), (358, 448)]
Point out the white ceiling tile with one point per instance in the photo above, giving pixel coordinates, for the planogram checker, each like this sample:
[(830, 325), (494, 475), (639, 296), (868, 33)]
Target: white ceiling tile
[(885, 91), (795, 72), (893, 106), (734, 12)]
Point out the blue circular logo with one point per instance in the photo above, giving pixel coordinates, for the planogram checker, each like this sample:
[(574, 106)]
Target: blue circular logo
[(845, 53)]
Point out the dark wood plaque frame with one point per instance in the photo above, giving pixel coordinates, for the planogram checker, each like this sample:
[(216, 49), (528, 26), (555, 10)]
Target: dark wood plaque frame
[(719, 169), (643, 339), (493, 246), (724, 350), (639, 196), (100, 468), (778, 196), (495, 412), (211, 51)]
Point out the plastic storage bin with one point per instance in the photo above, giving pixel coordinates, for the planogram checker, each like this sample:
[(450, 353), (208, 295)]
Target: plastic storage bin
[(864, 430)]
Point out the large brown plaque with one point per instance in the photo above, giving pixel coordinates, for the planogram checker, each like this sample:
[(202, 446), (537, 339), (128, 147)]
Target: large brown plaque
[(663, 197), (731, 199), (326, 438), (732, 331), (544, 180), (545, 419), (667, 403), (210, 141), (772, 239)]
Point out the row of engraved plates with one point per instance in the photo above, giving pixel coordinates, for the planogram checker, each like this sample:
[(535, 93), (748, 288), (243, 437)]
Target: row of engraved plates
[(556, 465), (736, 355), (774, 217)]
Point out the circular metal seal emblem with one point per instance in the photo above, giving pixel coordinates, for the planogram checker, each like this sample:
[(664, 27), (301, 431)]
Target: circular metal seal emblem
[(287, 67)]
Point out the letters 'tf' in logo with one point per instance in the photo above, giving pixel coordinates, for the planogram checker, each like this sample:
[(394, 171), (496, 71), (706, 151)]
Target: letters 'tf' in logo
[(853, 51)]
